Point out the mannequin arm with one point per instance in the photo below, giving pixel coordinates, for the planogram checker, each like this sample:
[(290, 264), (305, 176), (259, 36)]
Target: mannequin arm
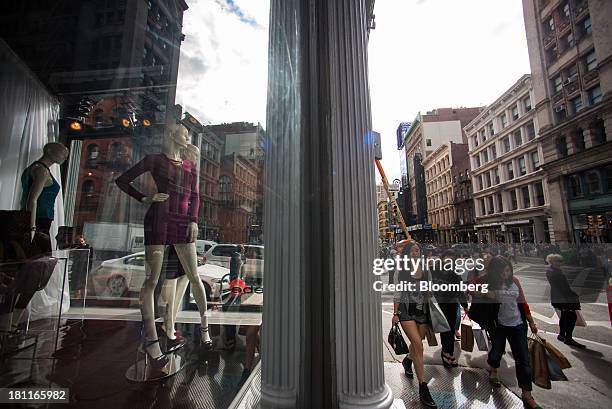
[(194, 200), (125, 180), (39, 178)]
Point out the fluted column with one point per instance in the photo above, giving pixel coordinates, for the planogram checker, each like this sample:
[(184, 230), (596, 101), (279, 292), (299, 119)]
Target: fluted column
[(283, 220), (358, 349)]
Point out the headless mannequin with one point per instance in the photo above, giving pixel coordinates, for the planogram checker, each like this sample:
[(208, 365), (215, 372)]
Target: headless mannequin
[(175, 140), (174, 289), (53, 153)]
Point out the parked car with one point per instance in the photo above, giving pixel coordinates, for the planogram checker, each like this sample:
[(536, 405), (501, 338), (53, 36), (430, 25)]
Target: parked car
[(202, 246), (120, 276), (220, 255)]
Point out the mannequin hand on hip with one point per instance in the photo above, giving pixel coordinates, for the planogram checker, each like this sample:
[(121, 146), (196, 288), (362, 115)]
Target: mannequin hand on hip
[(156, 198), (192, 232)]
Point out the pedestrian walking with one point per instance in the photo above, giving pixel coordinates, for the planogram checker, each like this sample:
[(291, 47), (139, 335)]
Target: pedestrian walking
[(511, 314), (563, 298), (410, 310), (449, 302)]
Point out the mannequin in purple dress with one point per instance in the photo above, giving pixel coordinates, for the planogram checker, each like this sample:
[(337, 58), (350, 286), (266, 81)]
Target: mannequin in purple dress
[(175, 286), (171, 220)]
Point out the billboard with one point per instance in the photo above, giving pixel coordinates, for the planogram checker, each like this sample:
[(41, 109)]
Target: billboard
[(401, 131)]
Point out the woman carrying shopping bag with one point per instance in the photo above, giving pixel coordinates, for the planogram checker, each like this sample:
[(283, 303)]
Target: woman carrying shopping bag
[(563, 298), (506, 294), (410, 310)]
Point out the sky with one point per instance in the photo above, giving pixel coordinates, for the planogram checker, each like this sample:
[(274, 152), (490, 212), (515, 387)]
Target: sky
[(427, 54), (223, 64), (423, 54)]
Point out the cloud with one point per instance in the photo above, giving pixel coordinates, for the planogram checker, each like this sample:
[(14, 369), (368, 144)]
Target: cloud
[(223, 64), (231, 7)]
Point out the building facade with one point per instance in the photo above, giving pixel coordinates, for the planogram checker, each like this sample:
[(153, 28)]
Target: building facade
[(570, 51), (383, 220), (509, 185), (426, 133), (463, 201), (443, 213)]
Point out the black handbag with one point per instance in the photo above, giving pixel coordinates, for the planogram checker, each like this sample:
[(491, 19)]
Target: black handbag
[(484, 313), (396, 340)]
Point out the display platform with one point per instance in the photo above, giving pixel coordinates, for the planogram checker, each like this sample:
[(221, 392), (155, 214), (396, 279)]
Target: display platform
[(93, 356)]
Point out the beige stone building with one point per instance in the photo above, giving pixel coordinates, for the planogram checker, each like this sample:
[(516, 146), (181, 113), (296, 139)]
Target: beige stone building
[(440, 170), (570, 50), (509, 185)]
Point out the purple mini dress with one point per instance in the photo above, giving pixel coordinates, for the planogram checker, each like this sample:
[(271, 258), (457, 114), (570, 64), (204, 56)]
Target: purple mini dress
[(166, 222)]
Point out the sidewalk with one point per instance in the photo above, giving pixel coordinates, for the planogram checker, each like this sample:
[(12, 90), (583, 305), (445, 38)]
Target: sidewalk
[(589, 385)]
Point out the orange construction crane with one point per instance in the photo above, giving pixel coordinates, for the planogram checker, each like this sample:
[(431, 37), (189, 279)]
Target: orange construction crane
[(394, 206)]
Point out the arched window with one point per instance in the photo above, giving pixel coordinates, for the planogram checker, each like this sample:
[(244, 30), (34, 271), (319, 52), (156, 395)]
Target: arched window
[(93, 151), (579, 140), (575, 188), (599, 131), (593, 182)]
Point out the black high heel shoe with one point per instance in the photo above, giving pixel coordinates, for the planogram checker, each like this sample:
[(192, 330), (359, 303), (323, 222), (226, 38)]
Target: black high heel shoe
[(208, 345), (407, 364), (157, 363)]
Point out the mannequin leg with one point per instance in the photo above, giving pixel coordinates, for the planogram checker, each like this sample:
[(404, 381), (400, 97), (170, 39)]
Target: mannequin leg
[(168, 293), (181, 287), (188, 258), (154, 257)]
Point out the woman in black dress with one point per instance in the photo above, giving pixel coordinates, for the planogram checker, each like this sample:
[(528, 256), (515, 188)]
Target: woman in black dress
[(563, 298)]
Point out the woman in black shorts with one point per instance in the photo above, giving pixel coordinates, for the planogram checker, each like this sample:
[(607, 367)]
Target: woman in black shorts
[(410, 310)]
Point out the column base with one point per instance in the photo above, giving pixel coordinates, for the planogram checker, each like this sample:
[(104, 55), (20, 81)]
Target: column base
[(278, 399), (383, 400)]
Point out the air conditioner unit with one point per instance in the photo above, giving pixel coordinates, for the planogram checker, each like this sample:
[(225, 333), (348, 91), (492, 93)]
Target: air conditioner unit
[(560, 108)]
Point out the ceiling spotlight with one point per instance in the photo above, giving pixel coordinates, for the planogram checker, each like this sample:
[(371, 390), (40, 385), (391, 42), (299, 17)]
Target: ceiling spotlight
[(76, 126), (146, 122), (125, 123)]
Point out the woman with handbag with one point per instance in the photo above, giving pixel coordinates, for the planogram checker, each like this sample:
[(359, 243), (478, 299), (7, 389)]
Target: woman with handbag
[(449, 302), (563, 298), (410, 310), (506, 295)]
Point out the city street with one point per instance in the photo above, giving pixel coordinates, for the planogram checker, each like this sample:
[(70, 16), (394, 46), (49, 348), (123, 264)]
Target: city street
[(589, 384)]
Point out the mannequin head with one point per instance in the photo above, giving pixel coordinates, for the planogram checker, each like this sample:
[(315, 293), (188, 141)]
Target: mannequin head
[(55, 152), (176, 136)]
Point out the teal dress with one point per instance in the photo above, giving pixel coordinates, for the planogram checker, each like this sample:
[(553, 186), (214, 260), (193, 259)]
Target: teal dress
[(45, 206)]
